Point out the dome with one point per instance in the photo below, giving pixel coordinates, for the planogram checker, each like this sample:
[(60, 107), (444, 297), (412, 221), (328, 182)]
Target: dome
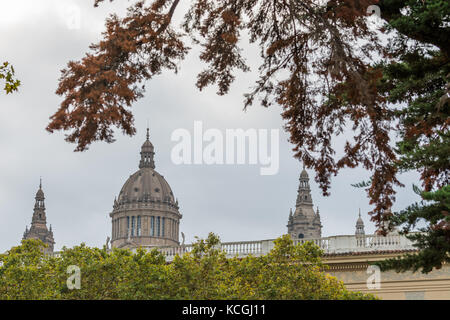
[(147, 146), (304, 174), (146, 211), (146, 185), (40, 193), (359, 221)]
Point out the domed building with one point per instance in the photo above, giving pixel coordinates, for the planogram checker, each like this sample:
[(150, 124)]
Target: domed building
[(146, 212)]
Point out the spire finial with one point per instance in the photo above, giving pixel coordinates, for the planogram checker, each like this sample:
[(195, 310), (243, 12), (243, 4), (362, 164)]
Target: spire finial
[(147, 153), (360, 212), (40, 182)]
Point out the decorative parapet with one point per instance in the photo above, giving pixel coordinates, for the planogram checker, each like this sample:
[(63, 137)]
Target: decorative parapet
[(330, 245)]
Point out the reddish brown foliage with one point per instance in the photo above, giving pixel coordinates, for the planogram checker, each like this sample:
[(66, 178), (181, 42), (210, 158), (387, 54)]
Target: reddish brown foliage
[(100, 89), (315, 65)]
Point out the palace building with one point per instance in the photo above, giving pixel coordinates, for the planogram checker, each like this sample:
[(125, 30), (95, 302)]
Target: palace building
[(146, 214)]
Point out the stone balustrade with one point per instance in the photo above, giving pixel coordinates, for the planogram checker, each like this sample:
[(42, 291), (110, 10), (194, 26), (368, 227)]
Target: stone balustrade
[(330, 245)]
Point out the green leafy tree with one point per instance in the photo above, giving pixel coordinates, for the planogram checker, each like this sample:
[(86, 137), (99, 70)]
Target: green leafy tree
[(287, 272), (26, 272), (7, 74)]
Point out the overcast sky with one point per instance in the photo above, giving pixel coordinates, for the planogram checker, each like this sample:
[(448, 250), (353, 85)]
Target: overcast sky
[(234, 201)]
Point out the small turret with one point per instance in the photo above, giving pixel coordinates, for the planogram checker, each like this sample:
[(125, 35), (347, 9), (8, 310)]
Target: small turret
[(38, 229), (359, 226), (147, 154), (304, 191), (304, 222)]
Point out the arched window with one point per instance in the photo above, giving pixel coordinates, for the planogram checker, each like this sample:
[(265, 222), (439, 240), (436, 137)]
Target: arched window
[(158, 225), (301, 236), (133, 225), (139, 226), (128, 225), (163, 227), (152, 226)]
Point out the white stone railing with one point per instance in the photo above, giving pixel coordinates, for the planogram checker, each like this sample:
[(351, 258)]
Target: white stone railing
[(343, 244), (333, 244), (241, 248)]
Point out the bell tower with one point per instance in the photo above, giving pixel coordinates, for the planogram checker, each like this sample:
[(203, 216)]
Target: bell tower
[(304, 222), (359, 231), (38, 229)]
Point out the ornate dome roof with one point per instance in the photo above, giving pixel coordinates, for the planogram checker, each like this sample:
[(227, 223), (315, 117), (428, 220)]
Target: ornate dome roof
[(359, 222), (304, 174), (148, 146), (146, 185), (40, 193)]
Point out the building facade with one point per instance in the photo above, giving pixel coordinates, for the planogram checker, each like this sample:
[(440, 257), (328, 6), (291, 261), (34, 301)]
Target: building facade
[(146, 212), (38, 229), (354, 269), (348, 258), (304, 222)]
